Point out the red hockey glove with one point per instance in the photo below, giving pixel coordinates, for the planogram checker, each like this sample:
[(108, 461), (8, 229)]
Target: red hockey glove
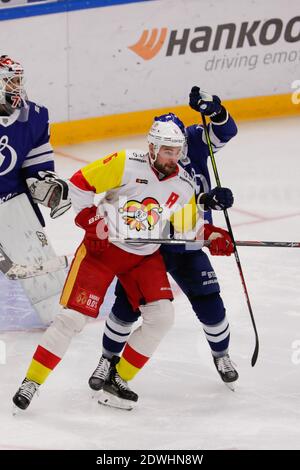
[(220, 240), (96, 230)]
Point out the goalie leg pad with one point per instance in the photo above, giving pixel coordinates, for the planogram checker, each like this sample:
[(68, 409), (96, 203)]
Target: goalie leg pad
[(25, 242)]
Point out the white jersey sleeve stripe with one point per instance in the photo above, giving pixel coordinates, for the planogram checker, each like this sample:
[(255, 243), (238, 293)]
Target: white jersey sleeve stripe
[(39, 150), (37, 160), (215, 141)]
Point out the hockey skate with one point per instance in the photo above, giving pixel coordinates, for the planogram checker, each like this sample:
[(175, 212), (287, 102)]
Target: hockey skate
[(226, 370), (24, 395), (100, 374), (115, 392)]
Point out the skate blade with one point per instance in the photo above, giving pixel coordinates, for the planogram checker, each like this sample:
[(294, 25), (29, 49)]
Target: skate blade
[(16, 411), (93, 393), (107, 399), (230, 385)]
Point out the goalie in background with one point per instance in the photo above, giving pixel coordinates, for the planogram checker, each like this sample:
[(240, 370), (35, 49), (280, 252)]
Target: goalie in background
[(27, 178), (26, 156)]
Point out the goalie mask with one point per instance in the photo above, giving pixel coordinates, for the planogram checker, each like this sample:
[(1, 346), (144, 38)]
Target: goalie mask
[(12, 92), (165, 133)]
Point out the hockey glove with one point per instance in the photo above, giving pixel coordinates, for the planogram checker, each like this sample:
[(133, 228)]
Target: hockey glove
[(216, 199), (50, 191), (96, 230), (204, 103), (209, 105), (220, 240)]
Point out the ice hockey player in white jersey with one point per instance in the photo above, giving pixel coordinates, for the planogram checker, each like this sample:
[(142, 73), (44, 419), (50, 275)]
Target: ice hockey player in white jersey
[(27, 176), (141, 189)]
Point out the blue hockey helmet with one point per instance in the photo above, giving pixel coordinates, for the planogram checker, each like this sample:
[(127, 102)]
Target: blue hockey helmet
[(171, 117)]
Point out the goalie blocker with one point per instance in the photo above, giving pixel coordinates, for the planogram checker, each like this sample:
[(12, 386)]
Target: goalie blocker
[(50, 191)]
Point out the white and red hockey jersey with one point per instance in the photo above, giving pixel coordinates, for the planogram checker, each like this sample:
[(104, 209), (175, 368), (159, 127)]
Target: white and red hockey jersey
[(137, 203)]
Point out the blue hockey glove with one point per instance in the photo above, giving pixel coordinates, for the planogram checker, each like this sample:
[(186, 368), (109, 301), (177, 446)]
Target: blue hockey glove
[(216, 199), (204, 103)]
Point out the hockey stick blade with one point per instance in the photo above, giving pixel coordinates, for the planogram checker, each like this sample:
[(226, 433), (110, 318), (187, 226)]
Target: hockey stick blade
[(5, 262)]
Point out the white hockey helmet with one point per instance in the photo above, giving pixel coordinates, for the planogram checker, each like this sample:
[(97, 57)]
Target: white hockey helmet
[(165, 133), (12, 92)]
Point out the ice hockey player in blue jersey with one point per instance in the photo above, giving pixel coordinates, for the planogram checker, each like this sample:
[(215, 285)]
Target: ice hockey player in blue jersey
[(191, 270), (26, 156), (27, 180)]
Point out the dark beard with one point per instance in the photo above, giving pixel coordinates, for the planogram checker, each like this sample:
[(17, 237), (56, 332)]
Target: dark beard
[(166, 170)]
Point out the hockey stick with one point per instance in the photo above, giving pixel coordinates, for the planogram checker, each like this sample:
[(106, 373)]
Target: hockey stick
[(14, 271), (237, 258), (182, 241), (268, 244)]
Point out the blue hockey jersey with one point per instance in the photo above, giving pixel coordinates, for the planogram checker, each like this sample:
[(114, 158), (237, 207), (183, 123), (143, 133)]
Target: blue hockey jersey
[(24, 149), (197, 158)]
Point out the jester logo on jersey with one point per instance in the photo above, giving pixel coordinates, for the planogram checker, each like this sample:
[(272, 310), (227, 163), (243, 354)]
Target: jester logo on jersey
[(141, 215)]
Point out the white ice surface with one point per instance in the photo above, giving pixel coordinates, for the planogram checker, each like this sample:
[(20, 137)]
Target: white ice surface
[(183, 404)]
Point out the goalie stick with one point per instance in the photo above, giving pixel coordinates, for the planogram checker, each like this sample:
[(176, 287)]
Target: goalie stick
[(14, 271)]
